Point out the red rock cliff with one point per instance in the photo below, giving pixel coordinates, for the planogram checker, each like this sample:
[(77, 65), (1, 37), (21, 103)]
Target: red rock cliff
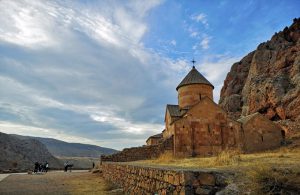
[(267, 80)]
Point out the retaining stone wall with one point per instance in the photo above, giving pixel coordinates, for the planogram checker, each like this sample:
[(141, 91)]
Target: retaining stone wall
[(136, 179), (140, 153)]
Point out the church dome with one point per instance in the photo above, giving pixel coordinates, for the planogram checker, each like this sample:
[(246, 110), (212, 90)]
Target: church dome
[(194, 77)]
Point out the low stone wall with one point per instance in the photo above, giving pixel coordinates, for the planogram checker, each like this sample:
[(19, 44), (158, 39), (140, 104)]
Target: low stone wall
[(140, 153), (136, 179)]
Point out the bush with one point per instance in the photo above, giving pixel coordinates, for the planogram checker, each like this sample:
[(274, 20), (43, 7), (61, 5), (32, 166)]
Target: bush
[(166, 157)]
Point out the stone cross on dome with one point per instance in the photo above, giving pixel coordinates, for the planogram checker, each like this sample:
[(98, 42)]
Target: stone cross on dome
[(193, 61)]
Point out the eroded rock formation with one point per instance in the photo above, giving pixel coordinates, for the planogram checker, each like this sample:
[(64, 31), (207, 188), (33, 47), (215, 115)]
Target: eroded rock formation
[(267, 80)]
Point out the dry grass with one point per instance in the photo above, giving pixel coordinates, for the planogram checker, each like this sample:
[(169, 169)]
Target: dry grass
[(269, 180), (283, 157), (166, 157), (89, 183), (271, 172)]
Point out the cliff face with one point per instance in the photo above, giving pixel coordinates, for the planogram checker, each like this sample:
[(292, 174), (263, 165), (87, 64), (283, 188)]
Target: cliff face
[(267, 80)]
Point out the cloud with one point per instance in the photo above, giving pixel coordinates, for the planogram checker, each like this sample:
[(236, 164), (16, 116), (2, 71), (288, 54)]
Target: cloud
[(205, 42), (80, 71), (25, 24), (173, 42), (200, 18), (194, 34), (215, 69)]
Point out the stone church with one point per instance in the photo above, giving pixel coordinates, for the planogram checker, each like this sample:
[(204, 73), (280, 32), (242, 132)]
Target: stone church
[(197, 126)]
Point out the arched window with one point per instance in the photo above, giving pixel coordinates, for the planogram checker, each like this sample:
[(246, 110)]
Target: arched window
[(208, 128)]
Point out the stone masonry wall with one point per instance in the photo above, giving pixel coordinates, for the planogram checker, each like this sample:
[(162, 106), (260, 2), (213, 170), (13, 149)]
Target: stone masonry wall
[(189, 95), (203, 133), (140, 153), (135, 179)]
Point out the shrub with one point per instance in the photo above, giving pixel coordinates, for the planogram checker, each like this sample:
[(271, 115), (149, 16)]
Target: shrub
[(166, 157)]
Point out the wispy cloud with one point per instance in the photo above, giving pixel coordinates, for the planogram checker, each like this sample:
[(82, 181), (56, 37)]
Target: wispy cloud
[(215, 69), (205, 42), (173, 42), (201, 17)]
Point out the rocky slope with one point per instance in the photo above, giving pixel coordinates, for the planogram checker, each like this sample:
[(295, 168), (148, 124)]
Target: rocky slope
[(267, 80), (20, 155)]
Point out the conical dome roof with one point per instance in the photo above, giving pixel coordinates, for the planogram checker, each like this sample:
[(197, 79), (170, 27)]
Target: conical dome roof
[(194, 77)]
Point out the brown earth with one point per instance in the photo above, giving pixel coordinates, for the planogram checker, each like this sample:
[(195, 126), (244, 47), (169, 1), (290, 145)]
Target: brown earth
[(57, 183), (267, 80)]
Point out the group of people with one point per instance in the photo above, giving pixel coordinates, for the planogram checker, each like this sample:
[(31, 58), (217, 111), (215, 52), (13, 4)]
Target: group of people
[(40, 167)]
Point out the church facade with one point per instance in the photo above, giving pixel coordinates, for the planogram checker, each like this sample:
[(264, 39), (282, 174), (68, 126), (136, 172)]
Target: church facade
[(199, 127)]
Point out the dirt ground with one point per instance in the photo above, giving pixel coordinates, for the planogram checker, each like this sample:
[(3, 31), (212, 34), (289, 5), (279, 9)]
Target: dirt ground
[(57, 183)]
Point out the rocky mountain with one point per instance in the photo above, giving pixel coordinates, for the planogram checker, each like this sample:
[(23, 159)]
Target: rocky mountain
[(65, 149), (267, 80), (20, 154)]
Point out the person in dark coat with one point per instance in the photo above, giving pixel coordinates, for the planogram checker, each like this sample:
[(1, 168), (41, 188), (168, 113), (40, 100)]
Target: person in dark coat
[(36, 167)]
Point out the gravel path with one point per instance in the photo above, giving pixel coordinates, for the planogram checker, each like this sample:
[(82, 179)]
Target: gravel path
[(49, 183), (3, 176)]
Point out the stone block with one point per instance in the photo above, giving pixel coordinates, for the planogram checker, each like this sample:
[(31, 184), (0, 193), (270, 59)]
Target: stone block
[(188, 178), (202, 191), (207, 179)]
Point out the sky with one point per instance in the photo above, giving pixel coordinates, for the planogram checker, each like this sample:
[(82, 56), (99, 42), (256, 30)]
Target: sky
[(102, 72)]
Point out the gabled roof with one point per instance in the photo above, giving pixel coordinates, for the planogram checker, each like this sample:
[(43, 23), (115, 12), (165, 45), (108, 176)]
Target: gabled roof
[(185, 111), (194, 77), (174, 110), (157, 136)]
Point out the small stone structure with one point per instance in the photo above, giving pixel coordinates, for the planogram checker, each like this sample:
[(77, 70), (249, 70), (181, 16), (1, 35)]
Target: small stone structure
[(261, 134), (154, 139), (157, 180)]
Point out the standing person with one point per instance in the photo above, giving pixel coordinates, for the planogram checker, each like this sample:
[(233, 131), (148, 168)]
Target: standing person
[(40, 167), (93, 165), (66, 166), (36, 167), (46, 166)]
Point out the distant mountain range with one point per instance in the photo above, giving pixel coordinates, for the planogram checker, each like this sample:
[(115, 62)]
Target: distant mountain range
[(60, 148), (19, 153)]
